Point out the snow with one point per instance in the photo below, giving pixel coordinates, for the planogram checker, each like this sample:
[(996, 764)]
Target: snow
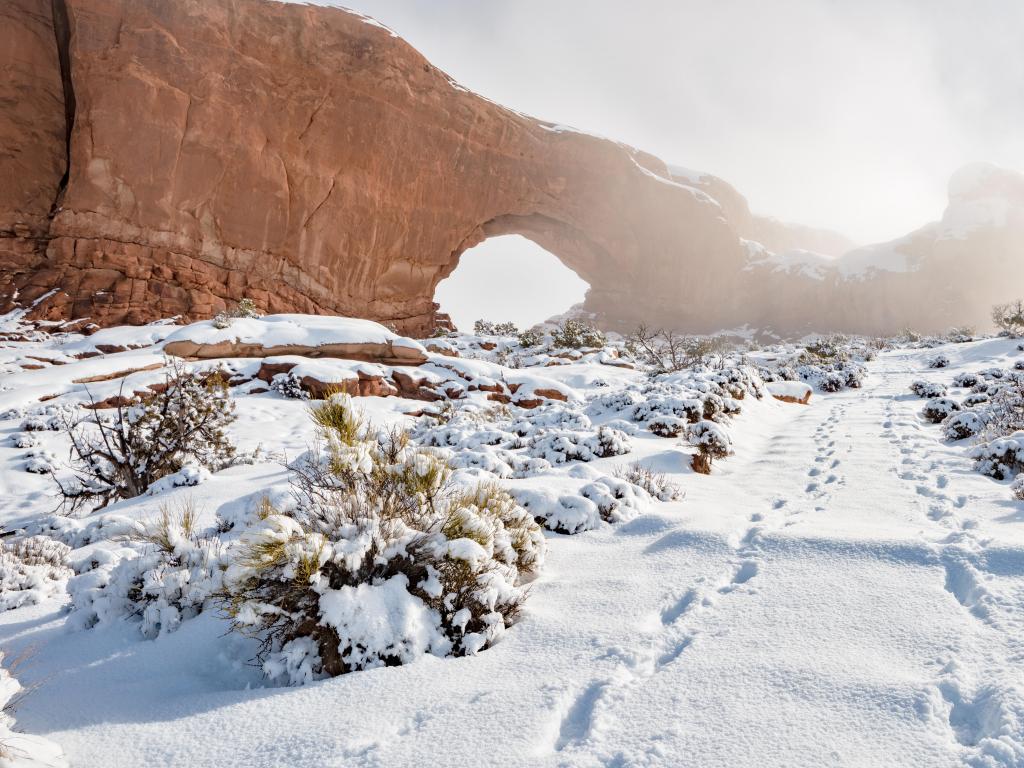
[(699, 194), (845, 589), (297, 330), (805, 263), (797, 389)]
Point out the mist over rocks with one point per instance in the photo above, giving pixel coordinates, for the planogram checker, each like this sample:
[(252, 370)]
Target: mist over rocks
[(169, 159)]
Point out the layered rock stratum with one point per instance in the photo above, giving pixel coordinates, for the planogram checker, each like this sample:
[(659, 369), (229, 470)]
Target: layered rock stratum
[(169, 157)]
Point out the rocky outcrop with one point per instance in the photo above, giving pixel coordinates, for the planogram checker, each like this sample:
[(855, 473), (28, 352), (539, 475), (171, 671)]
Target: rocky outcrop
[(168, 158), (313, 161), (949, 272), (385, 353), (33, 141)]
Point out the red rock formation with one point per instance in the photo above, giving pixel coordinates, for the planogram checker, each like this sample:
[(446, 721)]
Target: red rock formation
[(33, 154), (315, 162)]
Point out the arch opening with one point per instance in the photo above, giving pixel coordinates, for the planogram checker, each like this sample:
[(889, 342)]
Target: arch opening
[(508, 278)]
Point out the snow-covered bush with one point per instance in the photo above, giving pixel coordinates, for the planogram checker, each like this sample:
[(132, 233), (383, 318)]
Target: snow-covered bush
[(938, 409), (827, 349), (654, 483), (960, 334), (487, 328), (23, 440), (832, 377), (565, 446), (1004, 411), (39, 461), (973, 399), (531, 337), (575, 334), (31, 569), (928, 389), (961, 425), (1017, 488), (153, 436), (1000, 458), (245, 308), (617, 500), (711, 442), (1009, 317), (667, 426), (939, 361), (289, 385), (384, 559), (965, 379), (172, 575)]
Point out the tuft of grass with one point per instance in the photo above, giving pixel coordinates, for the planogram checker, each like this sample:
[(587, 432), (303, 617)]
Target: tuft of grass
[(336, 418), (170, 528)]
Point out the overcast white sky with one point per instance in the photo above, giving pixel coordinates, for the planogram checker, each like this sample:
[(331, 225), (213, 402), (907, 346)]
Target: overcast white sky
[(846, 114)]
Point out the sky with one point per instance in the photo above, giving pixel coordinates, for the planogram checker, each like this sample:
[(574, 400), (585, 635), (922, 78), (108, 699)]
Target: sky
[(844, 114)]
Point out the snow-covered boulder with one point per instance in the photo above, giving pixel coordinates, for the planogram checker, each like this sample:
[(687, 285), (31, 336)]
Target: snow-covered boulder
[(790, 391), (306, 335)]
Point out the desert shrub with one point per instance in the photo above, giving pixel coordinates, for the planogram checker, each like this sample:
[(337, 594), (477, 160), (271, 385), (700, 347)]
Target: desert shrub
[(575, 334), (666, 351), (909, 336), (1009, 317), (23, 440), (973, 399), (50, 418), (154, 436), (616, 500), (667, 426), (961, 334), (711, 443), (1017, 488), (962, 424), (244, 308), (928, 389), (384, 559), (289, 385), (654, 483), (830, 377), (487, 328), (965, 379), (532, 337), (939, 361), (40, 461), (175, 572), (1004, 411), (1000, 458), (31, 569), (938, 408), (560, 447), (827, 349)]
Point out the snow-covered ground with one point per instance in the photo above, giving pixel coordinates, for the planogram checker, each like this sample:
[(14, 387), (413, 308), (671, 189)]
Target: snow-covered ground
[(844, 590)]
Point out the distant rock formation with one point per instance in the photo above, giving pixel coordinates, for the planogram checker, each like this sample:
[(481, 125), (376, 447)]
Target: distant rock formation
[(168, 157)]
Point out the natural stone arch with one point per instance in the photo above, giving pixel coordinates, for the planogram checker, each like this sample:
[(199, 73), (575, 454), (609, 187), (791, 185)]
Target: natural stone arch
[(330, 168)]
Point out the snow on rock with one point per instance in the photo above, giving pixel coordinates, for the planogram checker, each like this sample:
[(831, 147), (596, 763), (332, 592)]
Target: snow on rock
[(306, 335), (790, 391)]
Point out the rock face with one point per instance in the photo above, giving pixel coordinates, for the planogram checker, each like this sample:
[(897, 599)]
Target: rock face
[(170, 157)]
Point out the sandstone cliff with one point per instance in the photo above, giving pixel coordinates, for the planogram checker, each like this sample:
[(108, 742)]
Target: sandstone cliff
[(167, 157)]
